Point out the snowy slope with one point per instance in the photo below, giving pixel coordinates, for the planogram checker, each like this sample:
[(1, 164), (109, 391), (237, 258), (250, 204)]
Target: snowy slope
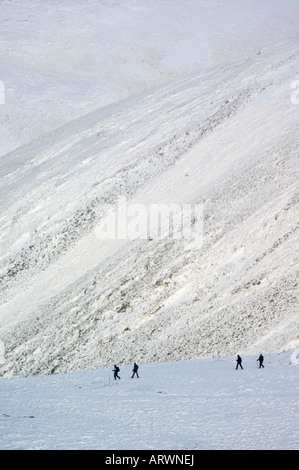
[(225, 138), (190, 405), (151, 102), (60, 60)]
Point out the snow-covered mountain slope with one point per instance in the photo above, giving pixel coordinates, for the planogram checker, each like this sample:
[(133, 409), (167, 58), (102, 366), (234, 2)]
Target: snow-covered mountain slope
[(188, 405), (60, 60), (225, 138)]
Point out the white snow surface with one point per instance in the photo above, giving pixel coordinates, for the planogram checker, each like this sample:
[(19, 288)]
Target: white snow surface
[(187, 405), (159, 102), (224, 138), (60, 60)]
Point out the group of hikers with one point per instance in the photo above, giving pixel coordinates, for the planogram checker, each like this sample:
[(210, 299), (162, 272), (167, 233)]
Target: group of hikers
[(116, 369), (260, 359), (135, 371)]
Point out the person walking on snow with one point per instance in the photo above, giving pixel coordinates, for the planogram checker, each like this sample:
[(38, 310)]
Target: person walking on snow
[(261, 360), (116, 371), (135, 371), (239, 362)]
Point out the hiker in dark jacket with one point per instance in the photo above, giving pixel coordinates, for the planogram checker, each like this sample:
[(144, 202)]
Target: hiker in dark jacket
[(135, 371), (261, 360), (239, 362), (116, 371)]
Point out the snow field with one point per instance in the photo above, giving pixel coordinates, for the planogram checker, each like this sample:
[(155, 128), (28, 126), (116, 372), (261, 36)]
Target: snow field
[(196, 106), (61, 60), (198, 404)]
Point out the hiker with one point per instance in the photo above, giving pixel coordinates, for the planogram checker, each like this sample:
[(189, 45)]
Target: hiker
[(135, 371), (239, 362), (116, 371), (261, 360)]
